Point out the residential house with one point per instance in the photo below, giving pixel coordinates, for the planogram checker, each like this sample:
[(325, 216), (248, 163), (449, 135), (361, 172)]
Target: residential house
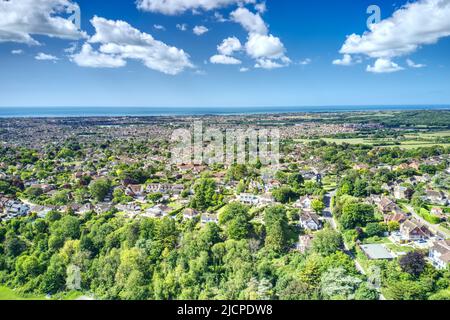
[(271, 185), (88, 207), (190, 214), (15, 208), (438, 212), (303, 203), (414, 165), (158, 211), (41, 211), (360, 166), (436, 197), (413, 230), (195, 168), (164, 188), (46, 188), (388, 186), (402, 193), (402, 166), (304, 243), (439, 254), (135, 191), (129, 209), (103, 207), (209, 218), (397, 216), (386, 205), (248, 199), (266, 198), (310, 221), (412, 181)]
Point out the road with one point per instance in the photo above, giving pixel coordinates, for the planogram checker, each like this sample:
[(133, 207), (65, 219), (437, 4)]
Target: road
[(328, 215)]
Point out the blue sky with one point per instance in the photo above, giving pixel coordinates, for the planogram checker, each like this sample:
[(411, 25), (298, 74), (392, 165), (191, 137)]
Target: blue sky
[(289, 64)]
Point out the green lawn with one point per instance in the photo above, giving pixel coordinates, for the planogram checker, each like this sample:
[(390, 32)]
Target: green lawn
[(398, 248), (411, 142), (9, 294)]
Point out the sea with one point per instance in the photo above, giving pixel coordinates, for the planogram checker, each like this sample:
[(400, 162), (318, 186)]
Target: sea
[(59, 112)]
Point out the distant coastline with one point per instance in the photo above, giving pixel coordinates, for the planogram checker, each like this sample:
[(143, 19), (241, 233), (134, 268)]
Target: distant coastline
[(61, 112)]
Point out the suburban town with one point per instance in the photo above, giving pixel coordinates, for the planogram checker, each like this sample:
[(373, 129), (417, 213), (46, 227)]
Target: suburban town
[(358, 208)]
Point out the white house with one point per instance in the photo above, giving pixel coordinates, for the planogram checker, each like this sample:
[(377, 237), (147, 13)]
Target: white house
[(303, 203), (436, 197), (158, 211), (439, 254), (249, 199), (165, 188), (209, 218), (190, 214), (304, 243), (14, 208), (310, 221)]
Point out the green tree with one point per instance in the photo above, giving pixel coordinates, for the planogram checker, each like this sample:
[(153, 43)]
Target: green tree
[(296, 181), (284, 195), (393, 226), (375, 229), (236, 220), (13, 245), (205, 195), (276, 222), (100, 188), (412, 263), (356, 215), (337, 284), (327, 242), (318, 206)]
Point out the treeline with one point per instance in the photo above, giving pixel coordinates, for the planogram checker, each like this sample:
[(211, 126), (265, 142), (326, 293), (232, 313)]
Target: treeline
[(115, 258)]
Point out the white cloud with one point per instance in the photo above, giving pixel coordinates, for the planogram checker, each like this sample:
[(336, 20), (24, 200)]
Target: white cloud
[(219, 17), (264, 46), (119, 41), (159, 27), (261, 7), (17, 52), (251, 22), (226, 49), (268, 64), (90, 58), (383, 65), (222, 59), (345, 61), (305, 62), (244, 69), (45, 57), (200, 30), (182, 27), (266, 49), (174, 7), (420, 23), (229, 46), (21, 19), (412, 64), (73, 47)]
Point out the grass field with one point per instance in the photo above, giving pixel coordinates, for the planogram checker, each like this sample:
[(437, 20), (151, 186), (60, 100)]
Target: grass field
[(9, 294), (411, 141)]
